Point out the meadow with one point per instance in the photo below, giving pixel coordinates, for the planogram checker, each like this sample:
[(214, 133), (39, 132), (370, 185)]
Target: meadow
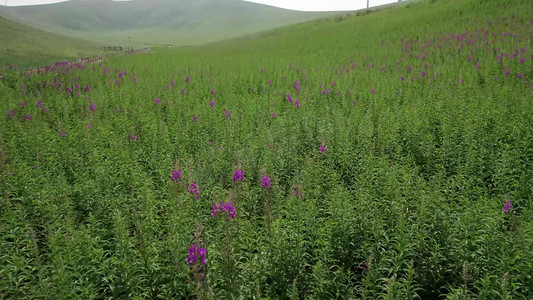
[(386, 155)]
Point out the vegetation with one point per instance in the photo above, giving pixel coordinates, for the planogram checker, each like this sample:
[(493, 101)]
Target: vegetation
[(24, 46), (156, 22), (379, 156)]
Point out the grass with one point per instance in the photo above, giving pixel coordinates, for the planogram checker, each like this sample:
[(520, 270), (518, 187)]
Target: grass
[(24, 46), (394, 142), (156, 22)]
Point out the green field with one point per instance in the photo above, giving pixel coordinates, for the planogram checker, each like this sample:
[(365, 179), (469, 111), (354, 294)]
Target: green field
[(148, 23), (23, 46), (386, 156)]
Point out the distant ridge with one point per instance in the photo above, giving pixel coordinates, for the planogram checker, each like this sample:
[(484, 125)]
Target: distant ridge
[(24, 46), (152, 22)]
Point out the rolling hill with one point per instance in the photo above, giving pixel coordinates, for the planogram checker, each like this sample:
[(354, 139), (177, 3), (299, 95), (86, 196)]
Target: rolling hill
[(149, 22), (25, 46)]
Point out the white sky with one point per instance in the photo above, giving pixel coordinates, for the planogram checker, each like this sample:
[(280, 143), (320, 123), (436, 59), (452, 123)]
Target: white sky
[(306, 5), (322, 5)]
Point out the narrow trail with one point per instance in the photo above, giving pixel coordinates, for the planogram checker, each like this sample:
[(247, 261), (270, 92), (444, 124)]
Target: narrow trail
[(83, 61)]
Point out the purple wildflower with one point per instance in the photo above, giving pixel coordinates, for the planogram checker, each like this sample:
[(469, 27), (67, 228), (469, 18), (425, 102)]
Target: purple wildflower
[(212, 103), (133, 137), (519, 75), (289, 98), (62, 133), (183, 91), (28, 117), (46, 109), (212, 91), (227, 113), (191, 258), (176, 175), (195, 118), (22, 104), (39, 104), (227, 208), (87, 88), (274, 115), (89, 126), (423, 73), (265, 182), (193, 190), (36, 168), (507, 207), (238, 175), (157, 100), (365, 266), (92, 107), (322, 149), (187, 79), (11, 113), (373, 91)]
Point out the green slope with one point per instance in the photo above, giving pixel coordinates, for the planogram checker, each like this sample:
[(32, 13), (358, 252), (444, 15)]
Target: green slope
[(156, 21), (24, 46)]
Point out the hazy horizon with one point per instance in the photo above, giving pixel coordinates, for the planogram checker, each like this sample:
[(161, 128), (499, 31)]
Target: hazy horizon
[(300, 5)]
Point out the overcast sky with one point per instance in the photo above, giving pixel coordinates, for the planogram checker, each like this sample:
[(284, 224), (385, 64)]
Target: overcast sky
[(307, 5)]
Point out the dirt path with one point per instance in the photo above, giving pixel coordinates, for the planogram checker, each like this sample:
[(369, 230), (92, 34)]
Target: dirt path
[(83, 61)]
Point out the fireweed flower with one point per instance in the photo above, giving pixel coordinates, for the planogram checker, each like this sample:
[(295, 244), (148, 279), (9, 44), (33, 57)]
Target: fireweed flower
[(297, 103), (297, 86), (297, 193), (322, 149), (227, 209), (289, 98), (507, 207), (176, 175), (193, 190), (157, 100), (265, 182), (62, 133), (238, 175), (196, 252)]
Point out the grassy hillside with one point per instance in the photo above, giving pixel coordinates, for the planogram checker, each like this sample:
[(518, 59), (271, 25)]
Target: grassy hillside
[(24, 46), (381, 156), (150, 22)]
